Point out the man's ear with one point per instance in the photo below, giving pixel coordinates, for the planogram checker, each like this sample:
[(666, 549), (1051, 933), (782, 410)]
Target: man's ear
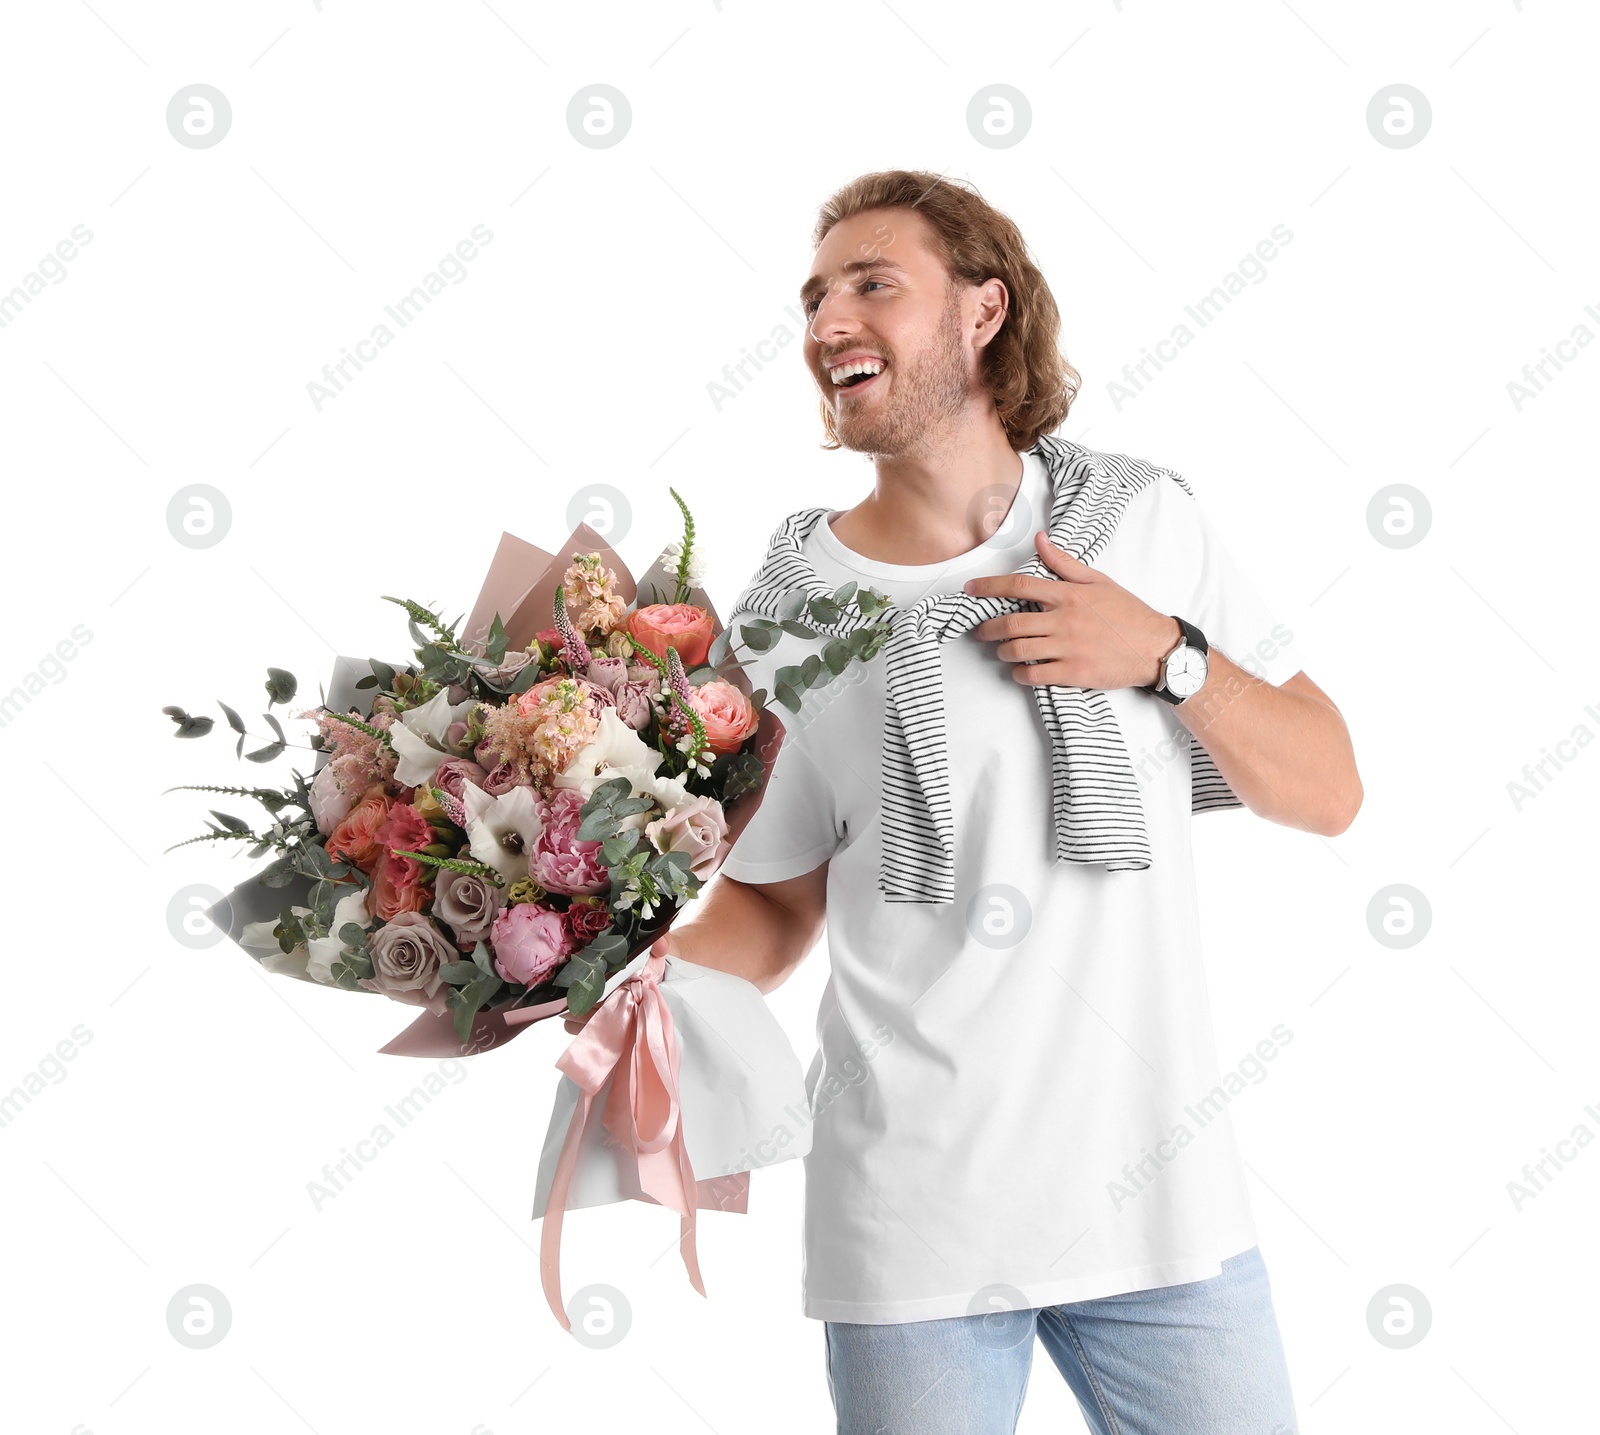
[(993, 303)]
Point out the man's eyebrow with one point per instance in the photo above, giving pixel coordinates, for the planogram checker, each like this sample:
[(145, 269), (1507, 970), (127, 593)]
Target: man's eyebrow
[(850, 267)]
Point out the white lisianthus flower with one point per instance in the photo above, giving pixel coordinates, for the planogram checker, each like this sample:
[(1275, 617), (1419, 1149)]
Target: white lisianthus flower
[(418, 737), (616, 750), (504, 829)]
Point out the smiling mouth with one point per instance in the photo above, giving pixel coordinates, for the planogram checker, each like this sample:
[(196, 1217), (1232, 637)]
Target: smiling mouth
[(858, 383)]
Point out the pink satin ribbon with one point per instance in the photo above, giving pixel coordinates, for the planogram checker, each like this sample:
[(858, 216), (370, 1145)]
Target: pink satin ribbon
[(630, 1041)]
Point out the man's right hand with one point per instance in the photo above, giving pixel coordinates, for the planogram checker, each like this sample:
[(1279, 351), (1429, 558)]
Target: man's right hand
[(664, 945)]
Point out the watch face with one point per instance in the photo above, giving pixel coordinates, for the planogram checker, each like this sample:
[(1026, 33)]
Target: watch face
[(1186, 671)]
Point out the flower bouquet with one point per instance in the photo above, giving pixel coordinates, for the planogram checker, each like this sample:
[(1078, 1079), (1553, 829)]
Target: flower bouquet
[(499, 830)]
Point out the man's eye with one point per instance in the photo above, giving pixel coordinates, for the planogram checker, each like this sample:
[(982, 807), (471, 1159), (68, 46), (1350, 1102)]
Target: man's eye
[(811, 305)]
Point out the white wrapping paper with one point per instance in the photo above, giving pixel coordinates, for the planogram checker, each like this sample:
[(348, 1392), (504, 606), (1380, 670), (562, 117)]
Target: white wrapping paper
[(741, 1090)]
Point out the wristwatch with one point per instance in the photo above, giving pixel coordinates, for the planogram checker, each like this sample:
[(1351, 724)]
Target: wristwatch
[(1183, 670)]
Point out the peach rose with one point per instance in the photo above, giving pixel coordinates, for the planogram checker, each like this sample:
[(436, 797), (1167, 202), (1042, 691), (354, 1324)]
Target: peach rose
[(356, 838), (730, 717), (683, 625)]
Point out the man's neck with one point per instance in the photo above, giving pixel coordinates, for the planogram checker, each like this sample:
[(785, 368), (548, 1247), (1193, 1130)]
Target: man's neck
[(931, 505)]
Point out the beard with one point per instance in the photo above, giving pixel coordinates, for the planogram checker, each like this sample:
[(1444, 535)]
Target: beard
[(926, 390)]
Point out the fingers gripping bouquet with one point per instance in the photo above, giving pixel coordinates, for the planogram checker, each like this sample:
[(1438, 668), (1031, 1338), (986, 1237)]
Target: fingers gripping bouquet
[(501, 831)]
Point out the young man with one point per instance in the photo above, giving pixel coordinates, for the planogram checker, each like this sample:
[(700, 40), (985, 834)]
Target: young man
[(1019, 1126)]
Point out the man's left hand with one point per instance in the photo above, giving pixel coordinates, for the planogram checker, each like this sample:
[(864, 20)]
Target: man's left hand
[(1089, 631)]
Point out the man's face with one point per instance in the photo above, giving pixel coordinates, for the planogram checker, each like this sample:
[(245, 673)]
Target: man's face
[(879, 291)]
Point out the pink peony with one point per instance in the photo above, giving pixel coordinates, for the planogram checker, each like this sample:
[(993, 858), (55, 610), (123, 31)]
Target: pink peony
[(530, 941), (560, 862)]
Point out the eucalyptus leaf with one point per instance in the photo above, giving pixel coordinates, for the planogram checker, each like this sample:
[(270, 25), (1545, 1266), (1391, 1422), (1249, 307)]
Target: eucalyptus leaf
[(836, 654), (234, 720), (758, 640), (188, 726), (281, 685), (615, 850)]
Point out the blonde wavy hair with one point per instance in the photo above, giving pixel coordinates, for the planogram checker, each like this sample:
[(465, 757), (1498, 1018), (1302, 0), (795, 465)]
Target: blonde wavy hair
[(1022, 366)]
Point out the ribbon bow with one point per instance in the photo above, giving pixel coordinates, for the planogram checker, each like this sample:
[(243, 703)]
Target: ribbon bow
[(630, 1041)]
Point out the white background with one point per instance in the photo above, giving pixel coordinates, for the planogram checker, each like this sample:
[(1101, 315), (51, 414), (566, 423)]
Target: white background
[(1166, 140)]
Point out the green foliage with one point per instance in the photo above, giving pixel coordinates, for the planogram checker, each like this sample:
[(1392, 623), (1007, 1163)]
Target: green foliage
[(281, 686), (601, 816), (455, 864), (188, 726), (685, 550)]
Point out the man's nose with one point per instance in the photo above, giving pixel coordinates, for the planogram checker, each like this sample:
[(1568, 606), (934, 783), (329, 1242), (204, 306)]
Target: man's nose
[(832, 316)]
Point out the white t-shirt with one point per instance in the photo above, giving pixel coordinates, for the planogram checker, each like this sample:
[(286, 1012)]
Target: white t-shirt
[(1018, 1090)]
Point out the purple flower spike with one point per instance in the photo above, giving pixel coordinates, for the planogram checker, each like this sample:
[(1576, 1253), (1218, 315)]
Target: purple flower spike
[(452, 807), (678, 679), (574, 651)]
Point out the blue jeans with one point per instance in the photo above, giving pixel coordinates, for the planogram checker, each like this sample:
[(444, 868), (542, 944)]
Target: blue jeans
[(1201, 1358)]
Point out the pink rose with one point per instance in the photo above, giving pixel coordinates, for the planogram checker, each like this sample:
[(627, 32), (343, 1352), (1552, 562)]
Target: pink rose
[(730, 717), (455, 772), (529, 941), (606, 672), (684, 626), (407, 953), (697, 827), (560, 862), (501, 778), (633, 702)]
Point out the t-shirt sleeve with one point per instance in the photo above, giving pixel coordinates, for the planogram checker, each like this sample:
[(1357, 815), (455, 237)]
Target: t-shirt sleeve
[(1230, 611), (795, 829)]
